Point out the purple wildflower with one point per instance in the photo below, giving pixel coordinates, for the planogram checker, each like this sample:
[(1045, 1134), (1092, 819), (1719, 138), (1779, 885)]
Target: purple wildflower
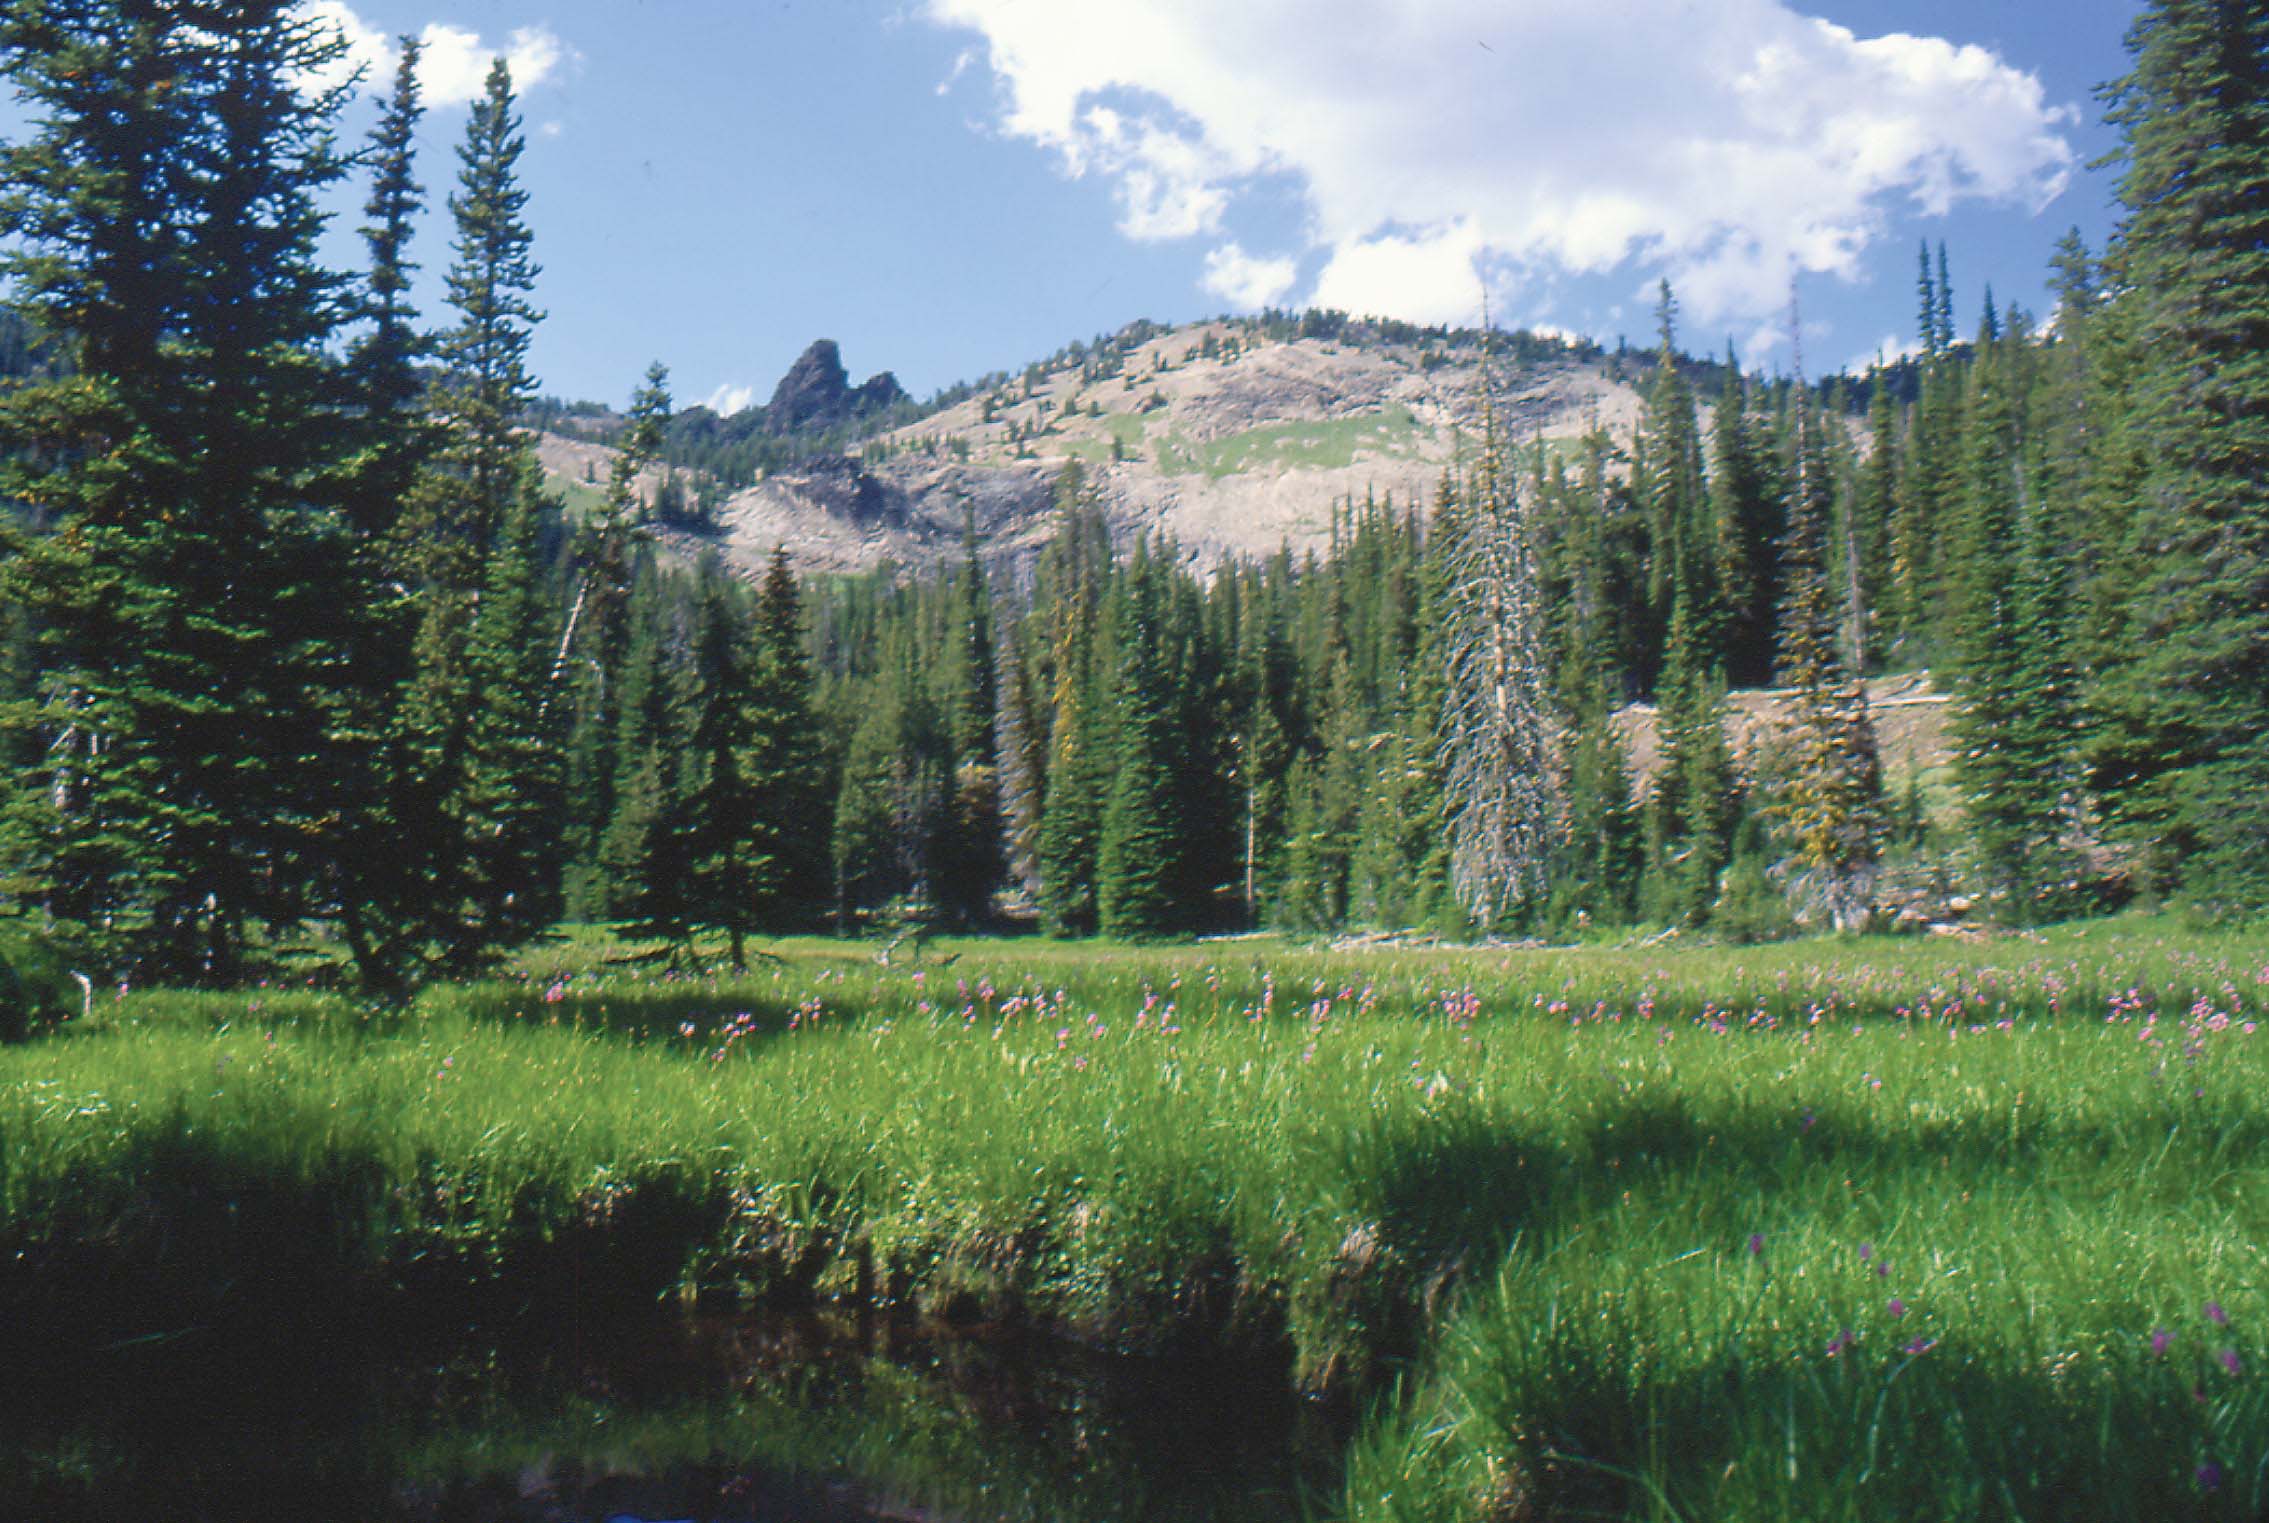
[(2216, 1315), (2209, 1477), (2231, 1362), (1866, 1252), (2161, 1341), (1897, 1308), (1756, 1245)]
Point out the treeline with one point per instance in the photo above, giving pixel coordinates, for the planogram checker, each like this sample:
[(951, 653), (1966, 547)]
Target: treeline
[(291, 636)]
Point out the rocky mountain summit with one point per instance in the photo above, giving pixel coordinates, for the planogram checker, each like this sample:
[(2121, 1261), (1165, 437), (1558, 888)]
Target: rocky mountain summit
[(816, 394)]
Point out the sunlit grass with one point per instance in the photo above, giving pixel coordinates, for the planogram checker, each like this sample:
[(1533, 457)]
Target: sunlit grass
[(1526, 1184)]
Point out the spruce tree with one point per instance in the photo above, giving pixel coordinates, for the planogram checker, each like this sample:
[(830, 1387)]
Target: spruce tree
[(970, 864), (2181, 754), (1670, 480), (594, 645), (482, 730), (1139, 852), (2013, 685), (643, 849), (382, 367), (1080, 738), (1747, 532), (1833, 803), (782, 782), (1695, 801), (208, 734)]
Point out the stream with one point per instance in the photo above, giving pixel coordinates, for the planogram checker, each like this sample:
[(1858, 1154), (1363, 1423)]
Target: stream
[(724, 1419)]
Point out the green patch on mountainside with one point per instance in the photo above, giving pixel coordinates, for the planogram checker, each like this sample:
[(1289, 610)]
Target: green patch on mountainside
[(1322, 445)]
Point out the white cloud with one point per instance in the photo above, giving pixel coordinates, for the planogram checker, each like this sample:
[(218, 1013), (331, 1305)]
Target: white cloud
[(1726, 145), (455, 65), (729, 399), (1888, 350), (368, 49), (1246, 281), (1431, 277), (961, 64)]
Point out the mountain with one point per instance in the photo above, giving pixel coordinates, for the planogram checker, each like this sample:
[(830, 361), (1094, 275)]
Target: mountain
[(816, 394), (1234, 437)]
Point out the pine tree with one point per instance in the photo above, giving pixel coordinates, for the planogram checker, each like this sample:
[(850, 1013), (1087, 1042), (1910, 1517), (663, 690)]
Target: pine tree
[(1695, 802), (162, 219), (1080, 740), (594, 646), (1138, 855), (480, 726), (2181, 754), (970, 864), (783, 779), (1833, 803), (1670, 481), (382, 369), (1747, 533), (503, 810), (2013, 684)]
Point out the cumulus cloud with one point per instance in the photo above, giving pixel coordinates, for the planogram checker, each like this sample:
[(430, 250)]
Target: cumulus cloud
[(1427, 277), (1888, 350), (454, 67), (729, 399), (1434, 141), (1247, 281)]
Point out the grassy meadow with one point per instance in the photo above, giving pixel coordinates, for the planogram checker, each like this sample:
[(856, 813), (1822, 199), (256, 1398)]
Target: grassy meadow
[(1833, 1230)]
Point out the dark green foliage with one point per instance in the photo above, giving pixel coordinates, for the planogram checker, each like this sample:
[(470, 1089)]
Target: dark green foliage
[(1831, 802), (2182, 694), (782, 783), (198, 598), (1138, 888), (2017, 761), (1748, 525), (38, 991)]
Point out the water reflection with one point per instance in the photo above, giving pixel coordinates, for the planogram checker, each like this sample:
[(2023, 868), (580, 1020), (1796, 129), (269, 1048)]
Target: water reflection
[(724, 1420)]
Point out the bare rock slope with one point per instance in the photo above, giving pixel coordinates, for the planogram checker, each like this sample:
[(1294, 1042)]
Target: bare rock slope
[(1230, 443)]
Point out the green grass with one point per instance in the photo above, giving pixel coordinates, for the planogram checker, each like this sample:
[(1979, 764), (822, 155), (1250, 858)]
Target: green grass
[(1517, 1187), (1327, 444)]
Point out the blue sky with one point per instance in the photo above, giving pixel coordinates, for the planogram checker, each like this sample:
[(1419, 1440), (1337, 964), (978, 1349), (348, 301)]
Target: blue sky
[(953, 186)]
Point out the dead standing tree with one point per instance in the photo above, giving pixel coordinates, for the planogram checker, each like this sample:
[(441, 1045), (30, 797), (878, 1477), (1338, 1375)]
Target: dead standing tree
[(1501, 746)]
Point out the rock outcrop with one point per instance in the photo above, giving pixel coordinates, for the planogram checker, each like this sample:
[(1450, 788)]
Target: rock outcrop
[(816, 394)]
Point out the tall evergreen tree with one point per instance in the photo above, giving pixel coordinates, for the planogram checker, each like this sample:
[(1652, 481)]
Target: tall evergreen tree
[(1139, 852), (382, 368), (480, 720), (970, 862), (1747, 537), (2012, 721), (782, 783), (2182, 698), (209, 739), (1833, 802)]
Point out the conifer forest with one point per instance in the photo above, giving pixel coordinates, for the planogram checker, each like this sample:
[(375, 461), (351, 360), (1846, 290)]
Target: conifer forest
[(342, 752)]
